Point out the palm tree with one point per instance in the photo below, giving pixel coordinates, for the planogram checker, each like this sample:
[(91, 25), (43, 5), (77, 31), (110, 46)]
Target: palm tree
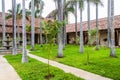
[(38, 12), (97, 30), (14, 27), (76, 35), (65, 18), (60, 18), (97, 34), (81, 3), (96, 2), (41, 8), (32, 25), (88, 15), (67, 7), (24, 54), (3, 22), (112, 46), (97, 38), (64, 28), (74, 5), (108, 22)]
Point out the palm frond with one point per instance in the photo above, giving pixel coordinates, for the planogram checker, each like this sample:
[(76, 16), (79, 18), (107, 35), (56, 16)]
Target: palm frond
[(9, 16), (18, 8), (30, 5), (10, 11)]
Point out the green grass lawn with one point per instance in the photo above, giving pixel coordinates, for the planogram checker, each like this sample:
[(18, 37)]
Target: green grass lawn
[(100, 61), (35, 70)]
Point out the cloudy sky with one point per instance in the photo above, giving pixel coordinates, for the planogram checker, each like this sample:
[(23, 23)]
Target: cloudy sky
[(49, 6)]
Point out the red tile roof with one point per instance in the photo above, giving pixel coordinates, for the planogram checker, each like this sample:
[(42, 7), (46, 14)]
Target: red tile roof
[(9, 23), (102, 25)]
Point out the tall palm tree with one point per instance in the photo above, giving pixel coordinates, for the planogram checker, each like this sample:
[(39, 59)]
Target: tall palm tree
[(76, 35), (41, 8), (108, 22), (60, 18), (3, 22), (65, 18), (97, 38), (88, 15), (96, 2), (24, 54), (14, 27), (97, 30), (112, 46), (32, 25), (74, 5), (67, 7), (38, 6), (97, 33), (81, 3)]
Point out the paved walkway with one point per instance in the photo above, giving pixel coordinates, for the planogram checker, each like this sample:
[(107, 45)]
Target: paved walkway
[(75, 71), (7, 72)]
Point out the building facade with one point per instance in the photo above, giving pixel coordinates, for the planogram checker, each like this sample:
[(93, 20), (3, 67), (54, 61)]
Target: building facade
[(102, 25)]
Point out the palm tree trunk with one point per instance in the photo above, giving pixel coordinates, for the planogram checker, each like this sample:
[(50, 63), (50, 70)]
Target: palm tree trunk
[(76, 35), (97, 33), (108, 23), (81, 33), (60, 18), (65, 34), (88, 11), (40, 30), (18, 34), (112, 47), (24, 54), (64, 29), (32, 25), (14, 27), (66, 19), (3, 23)]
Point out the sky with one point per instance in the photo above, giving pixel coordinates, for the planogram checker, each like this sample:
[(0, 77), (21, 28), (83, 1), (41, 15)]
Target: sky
[(49, 6)]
